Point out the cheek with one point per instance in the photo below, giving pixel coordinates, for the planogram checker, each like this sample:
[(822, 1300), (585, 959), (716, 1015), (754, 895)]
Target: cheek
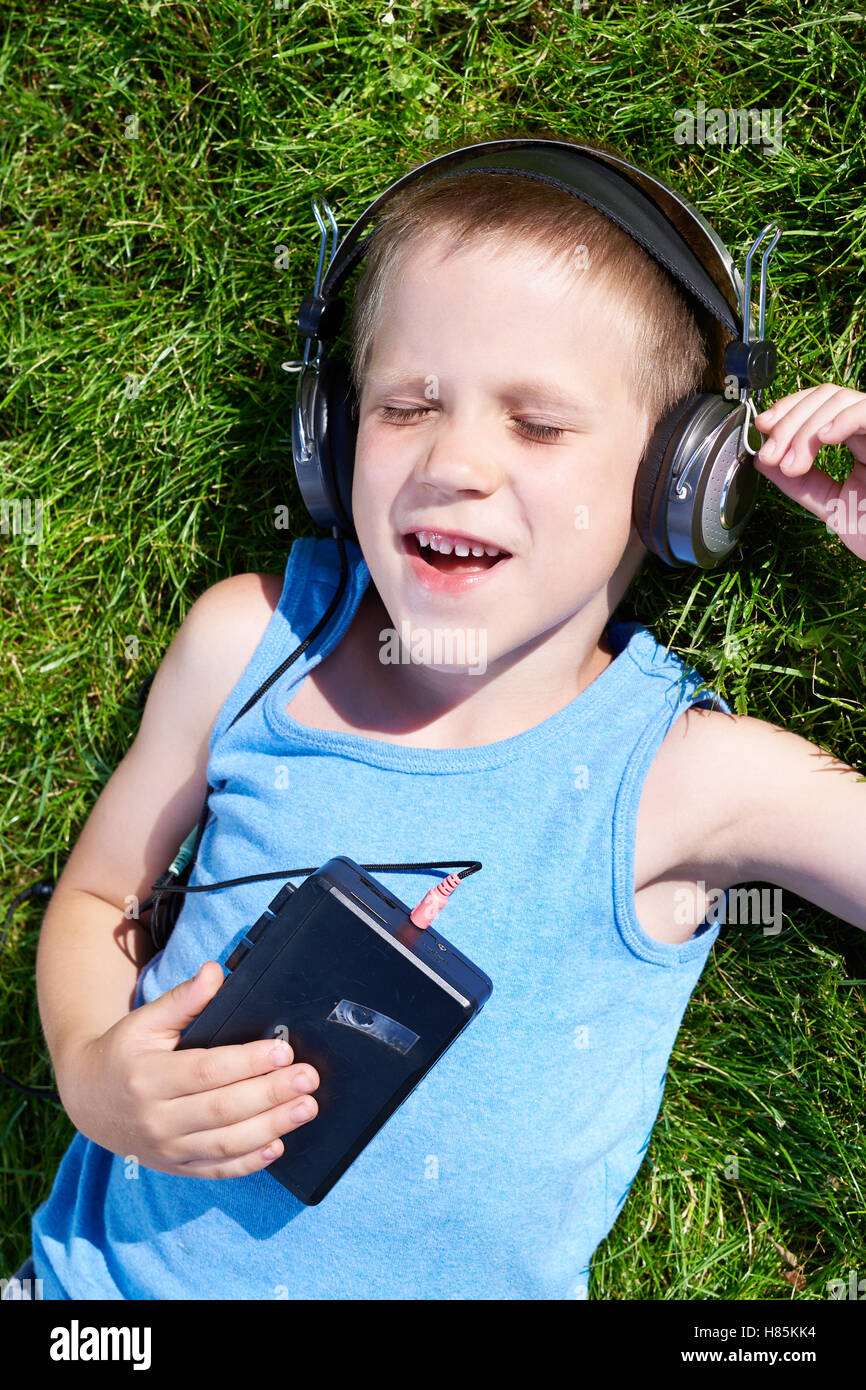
[(373, 472), (590, 515)]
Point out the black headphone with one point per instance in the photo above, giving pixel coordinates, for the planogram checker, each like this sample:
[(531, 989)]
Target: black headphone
[(696, 486)]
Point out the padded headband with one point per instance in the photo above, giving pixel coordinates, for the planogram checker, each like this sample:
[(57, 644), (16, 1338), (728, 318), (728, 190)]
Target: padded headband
[(661, 221)]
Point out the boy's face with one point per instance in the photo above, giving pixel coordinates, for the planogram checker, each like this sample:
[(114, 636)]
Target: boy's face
[(477, 355)]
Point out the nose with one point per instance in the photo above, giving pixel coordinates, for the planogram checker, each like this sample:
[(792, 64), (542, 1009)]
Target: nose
[(459, 459)]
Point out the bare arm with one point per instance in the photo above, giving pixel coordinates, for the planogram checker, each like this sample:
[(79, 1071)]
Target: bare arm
[(802, 821), (757, 803), (90, 954)]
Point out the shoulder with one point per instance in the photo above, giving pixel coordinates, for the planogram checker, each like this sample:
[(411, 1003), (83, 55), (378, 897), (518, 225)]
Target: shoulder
[(693, 796), (227, 622), (240, 600), (743, 759), (676, 817), (748, 801), (213, 646)]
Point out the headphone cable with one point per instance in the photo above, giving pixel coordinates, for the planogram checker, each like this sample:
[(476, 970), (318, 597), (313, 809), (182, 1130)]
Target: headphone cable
[(428, 907), (421, 915)]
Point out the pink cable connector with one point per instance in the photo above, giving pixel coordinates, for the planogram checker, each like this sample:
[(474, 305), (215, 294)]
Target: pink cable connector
[(433, 902)]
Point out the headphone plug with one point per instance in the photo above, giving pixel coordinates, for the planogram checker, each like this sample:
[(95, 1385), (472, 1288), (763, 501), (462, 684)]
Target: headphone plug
[(433, 902)]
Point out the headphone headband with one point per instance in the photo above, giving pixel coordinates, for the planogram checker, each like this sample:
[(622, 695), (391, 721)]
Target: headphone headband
[(695, 486), (668, 228)]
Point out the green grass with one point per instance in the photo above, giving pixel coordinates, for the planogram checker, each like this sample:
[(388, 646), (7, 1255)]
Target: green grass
[(144, 403)]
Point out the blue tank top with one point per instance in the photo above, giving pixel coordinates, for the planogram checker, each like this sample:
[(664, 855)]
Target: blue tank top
[(505, 1168)]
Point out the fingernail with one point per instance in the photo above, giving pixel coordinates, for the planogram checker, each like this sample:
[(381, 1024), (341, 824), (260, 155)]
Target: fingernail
[(280, 1053), (302, 1111), (272, 1151), (787, 462), (769, 449), (825, 429), (305, 1083)]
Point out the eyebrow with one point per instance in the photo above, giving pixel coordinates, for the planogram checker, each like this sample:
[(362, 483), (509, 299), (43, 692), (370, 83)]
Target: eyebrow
[(542, 394), (537, 393), (391, 377)]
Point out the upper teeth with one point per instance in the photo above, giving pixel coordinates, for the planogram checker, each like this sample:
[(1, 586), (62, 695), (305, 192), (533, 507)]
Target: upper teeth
[(444, 546)]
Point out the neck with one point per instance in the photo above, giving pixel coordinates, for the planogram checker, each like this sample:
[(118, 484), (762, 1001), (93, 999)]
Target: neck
[(451, 709)]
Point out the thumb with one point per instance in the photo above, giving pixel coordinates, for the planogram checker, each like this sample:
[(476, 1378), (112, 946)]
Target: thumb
[(167, 1016)]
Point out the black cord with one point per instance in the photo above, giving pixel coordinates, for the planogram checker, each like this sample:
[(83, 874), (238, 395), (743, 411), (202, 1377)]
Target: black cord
[(326, 616), (45, 890), (160, 931), (163, 916), (472, 867)]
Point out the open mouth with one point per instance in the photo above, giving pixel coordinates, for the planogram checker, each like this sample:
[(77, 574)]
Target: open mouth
[(451, 562)]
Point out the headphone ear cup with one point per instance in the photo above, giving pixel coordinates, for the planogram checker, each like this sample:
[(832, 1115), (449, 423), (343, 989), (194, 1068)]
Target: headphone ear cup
[(336, 430), (696, 485), (650, 489)]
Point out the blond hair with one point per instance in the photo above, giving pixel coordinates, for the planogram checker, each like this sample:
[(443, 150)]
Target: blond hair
[(672, 357)]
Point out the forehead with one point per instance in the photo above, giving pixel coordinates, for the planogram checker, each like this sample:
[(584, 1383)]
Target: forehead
[(497, 304), (513, 267)]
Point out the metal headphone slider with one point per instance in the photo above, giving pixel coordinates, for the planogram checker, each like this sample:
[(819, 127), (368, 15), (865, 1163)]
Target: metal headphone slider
[(320, 318), (753, 363)]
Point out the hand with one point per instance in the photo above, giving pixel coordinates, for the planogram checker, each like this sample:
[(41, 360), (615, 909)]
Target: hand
[(797, 426), (206, 1112)]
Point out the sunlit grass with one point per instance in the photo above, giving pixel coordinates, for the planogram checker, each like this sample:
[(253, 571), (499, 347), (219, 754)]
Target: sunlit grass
[(155, 158)]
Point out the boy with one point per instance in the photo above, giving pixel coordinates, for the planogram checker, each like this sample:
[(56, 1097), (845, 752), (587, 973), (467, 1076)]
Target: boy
[(506, 387)]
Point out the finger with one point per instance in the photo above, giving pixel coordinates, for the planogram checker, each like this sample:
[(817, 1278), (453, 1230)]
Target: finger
[(235, 1141), (796, 454), (252, 1162), (162, 1020), (847, 518), (780, 408), (817, 407), (848, 427), (229, 1105), (198, 1069)]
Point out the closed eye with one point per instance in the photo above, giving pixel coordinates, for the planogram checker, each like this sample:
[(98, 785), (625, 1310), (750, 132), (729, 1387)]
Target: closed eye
[(401, 414), (538, 434), (527, 429)]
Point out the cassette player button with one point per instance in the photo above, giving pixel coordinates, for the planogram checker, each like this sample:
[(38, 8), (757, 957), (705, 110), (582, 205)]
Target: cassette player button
[(285, 892), (255, 931), (238, 954)]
